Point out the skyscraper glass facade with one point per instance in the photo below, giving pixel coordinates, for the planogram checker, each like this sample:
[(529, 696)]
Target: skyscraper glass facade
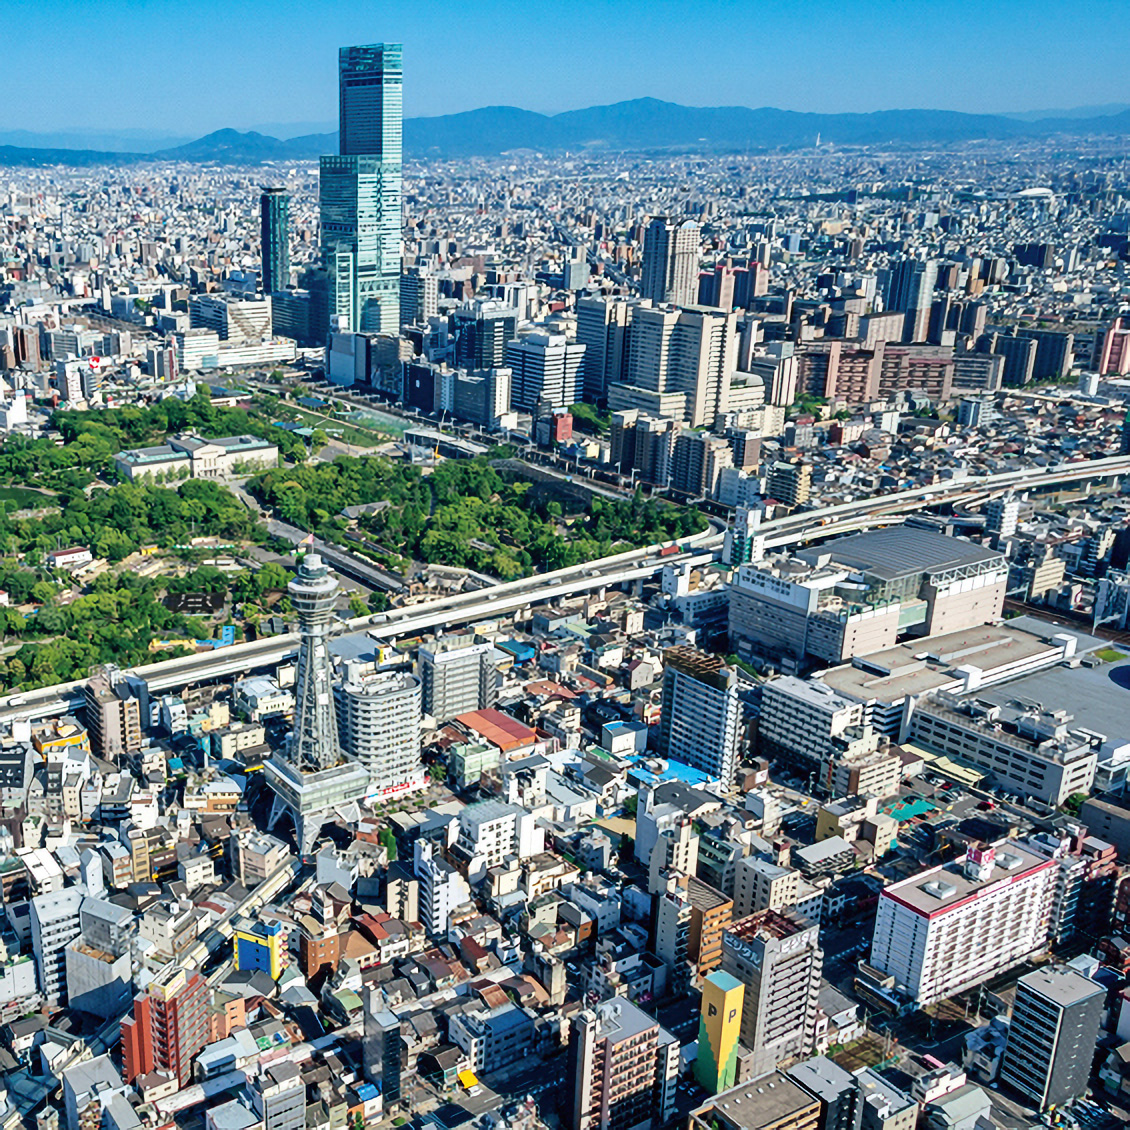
[(360, 193), (274, 231)]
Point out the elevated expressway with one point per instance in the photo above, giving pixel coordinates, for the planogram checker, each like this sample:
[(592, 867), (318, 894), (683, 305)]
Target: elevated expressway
[(621, 568)]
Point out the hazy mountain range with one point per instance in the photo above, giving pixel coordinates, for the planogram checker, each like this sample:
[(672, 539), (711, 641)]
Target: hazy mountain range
[(641, 124)]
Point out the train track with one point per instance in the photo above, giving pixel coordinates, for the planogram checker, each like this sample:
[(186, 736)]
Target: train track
[(1068, 619)]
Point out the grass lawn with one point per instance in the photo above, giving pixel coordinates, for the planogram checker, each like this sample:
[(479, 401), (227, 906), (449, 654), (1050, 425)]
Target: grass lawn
[(1106, 654), (26, 499), (352, 434), (382, 421), (864, 1052)]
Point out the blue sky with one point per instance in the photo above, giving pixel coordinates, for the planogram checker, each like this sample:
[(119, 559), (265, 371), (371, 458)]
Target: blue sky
[(190, 66)]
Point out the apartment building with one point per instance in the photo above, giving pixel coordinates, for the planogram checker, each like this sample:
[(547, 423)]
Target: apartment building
[(777, 957), (378, 720), (168, 1027), (457, 675), (441, 888), (671, 929), (113, 716), (762, 885), (863, 768), (258, 855), (789, 483), (278, 1097), (622, 1069), (679, 364), (380, 1044), (494, 831), (885, 1107), (89, 1088), (55, 922), (855, 818), (957, 925), (841, 1102), (1052, 1035), (711, 913), (492, 1038), (701, 719)]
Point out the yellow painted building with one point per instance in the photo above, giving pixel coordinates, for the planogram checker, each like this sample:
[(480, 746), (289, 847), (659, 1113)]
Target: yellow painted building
[(718, 1031), (262, 946), (60, 735)]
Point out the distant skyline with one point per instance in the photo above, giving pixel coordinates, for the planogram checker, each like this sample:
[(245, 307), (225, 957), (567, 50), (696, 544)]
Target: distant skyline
[(189, 69)]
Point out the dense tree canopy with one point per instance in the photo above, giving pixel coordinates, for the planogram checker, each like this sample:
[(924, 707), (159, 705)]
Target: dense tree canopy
[(113, 622), (116, 522), (465, 513), (109, 430)]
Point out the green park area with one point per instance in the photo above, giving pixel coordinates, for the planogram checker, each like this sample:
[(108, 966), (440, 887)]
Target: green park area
[(151, 537), (465, 513)]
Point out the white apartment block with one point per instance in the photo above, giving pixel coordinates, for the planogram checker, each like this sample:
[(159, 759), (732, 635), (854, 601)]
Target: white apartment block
[(54, 924), (954, 926), (442, 888), (802, 718), (494, 831), (761, 885)]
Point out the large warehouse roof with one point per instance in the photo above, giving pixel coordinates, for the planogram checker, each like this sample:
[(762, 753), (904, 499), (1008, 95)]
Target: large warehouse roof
[(900, 551)]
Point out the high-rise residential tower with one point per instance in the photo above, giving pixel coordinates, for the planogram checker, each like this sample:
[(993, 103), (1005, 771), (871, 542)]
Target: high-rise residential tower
[(603, 326), (274, 238), (670, 261), (168, 1027), (910, 290), (680, 364), (380, 1045), (700, 722), (113, 714), (55, 922), (315, 779), (1051, 1040), (360, 193), (379, 724), (457, 675), (622, 1068)]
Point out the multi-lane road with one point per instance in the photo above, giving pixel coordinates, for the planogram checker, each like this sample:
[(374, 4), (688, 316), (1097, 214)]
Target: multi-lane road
[(622, 568)]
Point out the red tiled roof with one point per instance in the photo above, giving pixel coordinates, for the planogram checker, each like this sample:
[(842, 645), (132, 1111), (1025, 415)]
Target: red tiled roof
[(497, 728)]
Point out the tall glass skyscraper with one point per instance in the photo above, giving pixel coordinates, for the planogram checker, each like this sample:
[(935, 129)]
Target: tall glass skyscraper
[(360, 193), (369, 101), (274, 232)]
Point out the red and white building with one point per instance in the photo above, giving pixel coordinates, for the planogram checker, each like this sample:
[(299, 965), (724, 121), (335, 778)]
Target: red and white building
[(955, 926), (69, 558)]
